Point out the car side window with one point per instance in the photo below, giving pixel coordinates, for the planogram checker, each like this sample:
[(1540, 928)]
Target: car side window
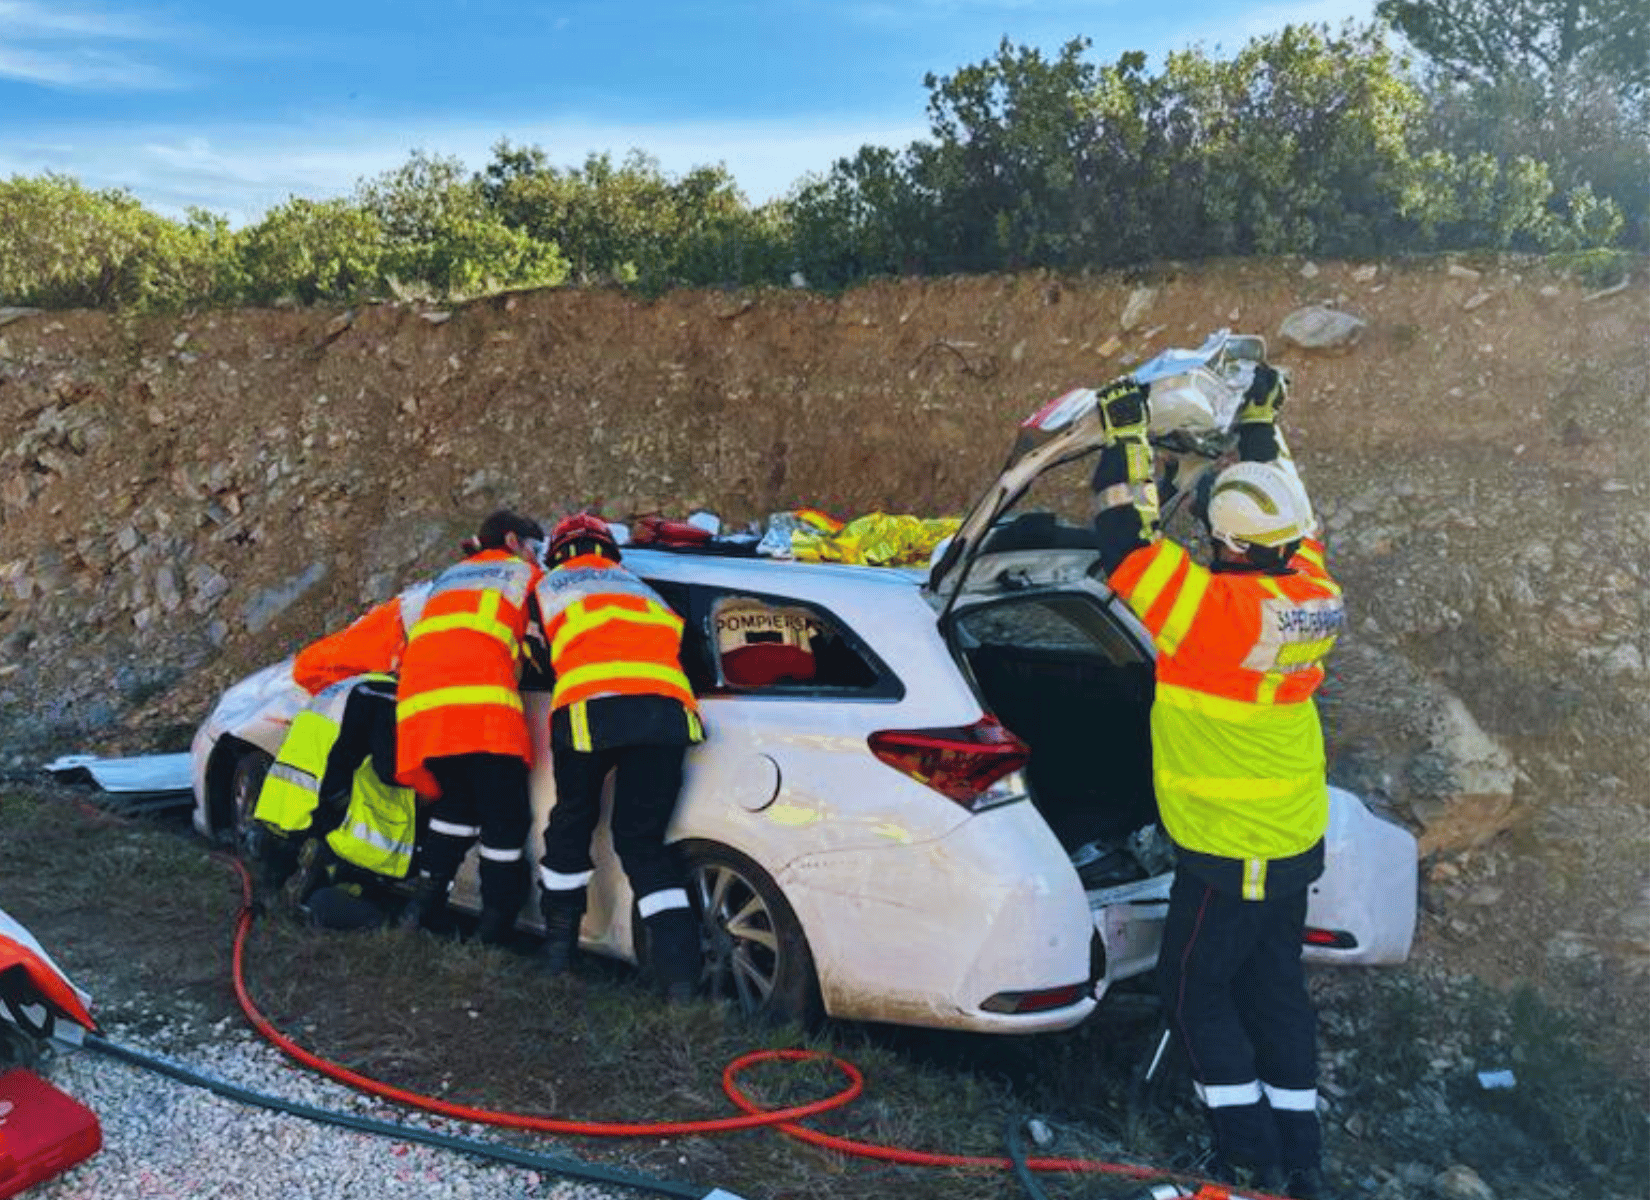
[(768, 645)]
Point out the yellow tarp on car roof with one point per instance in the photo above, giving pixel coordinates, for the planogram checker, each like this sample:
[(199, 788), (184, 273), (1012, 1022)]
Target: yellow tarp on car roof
[(876, 539)]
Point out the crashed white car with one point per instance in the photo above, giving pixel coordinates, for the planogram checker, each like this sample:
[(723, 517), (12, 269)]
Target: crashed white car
[(865, 836)]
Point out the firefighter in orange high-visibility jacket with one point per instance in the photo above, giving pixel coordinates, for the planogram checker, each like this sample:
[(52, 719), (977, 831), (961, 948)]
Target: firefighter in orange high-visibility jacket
[(1238, 767), (371, 645), (461, 731), (621, 704)]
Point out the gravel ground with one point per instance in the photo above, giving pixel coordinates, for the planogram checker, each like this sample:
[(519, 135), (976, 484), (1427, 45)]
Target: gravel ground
[(163, 1138)]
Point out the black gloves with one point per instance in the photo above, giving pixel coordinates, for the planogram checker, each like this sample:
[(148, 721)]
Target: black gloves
[(1125, 411), (1264, 396)]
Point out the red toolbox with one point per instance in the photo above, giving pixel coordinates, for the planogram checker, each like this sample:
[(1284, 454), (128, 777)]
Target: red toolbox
[(43, 1132)]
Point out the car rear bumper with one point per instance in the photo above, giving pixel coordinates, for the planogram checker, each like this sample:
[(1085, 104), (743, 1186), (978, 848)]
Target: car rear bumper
[(1369, 887), (1366, 899)]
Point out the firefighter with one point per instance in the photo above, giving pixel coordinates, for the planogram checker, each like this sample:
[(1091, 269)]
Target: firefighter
[(620, 704), (374, 642), (327, 815), (461, 731), (1238, 766)]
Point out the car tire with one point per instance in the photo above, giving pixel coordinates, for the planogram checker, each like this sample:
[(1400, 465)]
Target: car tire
[(244, 786), (756, 955)]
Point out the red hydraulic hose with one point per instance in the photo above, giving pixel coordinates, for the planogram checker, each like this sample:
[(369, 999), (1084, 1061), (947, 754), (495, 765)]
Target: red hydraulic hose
[(786, 1120), (510, 1120)]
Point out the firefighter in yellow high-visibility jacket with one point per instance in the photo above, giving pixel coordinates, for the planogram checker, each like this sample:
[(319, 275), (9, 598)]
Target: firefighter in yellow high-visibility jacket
[(330, 811), (1238, 768)]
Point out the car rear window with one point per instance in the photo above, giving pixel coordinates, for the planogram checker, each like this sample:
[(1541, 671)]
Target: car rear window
[(1058, 621)]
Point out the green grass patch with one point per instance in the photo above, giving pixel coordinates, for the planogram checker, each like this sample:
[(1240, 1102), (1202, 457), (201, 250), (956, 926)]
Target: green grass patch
[(142, 914)]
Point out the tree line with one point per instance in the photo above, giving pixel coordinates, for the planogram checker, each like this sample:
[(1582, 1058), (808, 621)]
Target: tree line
[(1523, 126)]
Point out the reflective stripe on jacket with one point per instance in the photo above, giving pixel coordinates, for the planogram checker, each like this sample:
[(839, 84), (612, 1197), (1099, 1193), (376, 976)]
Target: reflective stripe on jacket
[(1238, 759), (375, 642), (379, 825), (610, 635), (457, 692), (292, 787)]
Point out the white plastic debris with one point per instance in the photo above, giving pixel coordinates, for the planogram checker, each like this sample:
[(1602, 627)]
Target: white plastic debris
[(1493, 1080), (145, 773)]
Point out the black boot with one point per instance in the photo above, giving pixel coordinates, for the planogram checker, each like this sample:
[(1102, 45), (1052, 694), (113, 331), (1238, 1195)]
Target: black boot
[(1267, 1179), (504, 887), (276, 856), (561, 938), (674, 953), (495, 926), (314, 863), (427, 903)]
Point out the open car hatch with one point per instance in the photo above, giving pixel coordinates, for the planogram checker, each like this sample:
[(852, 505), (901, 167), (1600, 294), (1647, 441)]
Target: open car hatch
[(1195, 395)]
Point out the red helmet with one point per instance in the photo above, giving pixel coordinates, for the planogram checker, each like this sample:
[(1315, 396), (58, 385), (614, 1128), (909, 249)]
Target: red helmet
[(581, 533)]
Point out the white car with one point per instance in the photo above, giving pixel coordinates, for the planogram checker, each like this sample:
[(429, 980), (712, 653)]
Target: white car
[(864, 835)]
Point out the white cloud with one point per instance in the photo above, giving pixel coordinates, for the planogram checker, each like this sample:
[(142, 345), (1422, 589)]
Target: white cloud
[(25, 20), (67, 47), (243, 171), (82, 69)]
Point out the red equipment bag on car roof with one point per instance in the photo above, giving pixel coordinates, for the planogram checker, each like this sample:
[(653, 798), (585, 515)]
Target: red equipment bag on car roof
[(656, 530), (43, 1131)]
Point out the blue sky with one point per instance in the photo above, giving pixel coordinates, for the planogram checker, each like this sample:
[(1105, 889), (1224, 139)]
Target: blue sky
[(234, 106)]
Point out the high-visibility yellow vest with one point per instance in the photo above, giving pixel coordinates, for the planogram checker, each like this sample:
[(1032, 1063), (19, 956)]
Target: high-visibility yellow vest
[(1237, 747), (292, 788), (378, 829)]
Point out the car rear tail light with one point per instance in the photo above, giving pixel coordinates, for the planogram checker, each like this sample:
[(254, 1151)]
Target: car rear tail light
[(1334, 939), (1044, 1000), (976, 765)]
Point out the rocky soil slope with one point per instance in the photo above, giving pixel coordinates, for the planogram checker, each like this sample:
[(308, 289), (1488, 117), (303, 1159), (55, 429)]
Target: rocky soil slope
[(184, 499)]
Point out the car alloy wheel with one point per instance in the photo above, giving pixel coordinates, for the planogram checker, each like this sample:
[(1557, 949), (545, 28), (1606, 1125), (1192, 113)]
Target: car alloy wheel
[(756, 955)]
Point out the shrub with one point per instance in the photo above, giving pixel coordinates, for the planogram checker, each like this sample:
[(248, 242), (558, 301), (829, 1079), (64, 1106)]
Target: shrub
[(313, 251), (68, 247)]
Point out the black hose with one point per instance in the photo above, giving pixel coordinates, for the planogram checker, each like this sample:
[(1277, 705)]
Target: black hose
[(571, 1167), (1017, 1156)]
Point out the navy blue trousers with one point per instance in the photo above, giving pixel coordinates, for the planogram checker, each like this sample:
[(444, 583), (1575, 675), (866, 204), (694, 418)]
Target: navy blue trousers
[(483, 798), (1234, 992)]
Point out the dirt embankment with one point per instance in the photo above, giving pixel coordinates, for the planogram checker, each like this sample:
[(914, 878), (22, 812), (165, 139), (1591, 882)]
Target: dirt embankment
[(184, 499)]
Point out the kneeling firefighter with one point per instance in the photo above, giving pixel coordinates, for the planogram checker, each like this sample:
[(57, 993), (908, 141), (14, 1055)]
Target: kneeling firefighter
[(330, 812), (621, 704), (1238, 766)]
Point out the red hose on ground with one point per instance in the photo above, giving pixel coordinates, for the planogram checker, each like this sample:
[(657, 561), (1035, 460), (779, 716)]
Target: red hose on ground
[(486, 1116), (784, 1119)]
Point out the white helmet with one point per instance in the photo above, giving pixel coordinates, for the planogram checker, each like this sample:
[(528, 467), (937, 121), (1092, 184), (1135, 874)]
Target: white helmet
[(1259, 505)]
